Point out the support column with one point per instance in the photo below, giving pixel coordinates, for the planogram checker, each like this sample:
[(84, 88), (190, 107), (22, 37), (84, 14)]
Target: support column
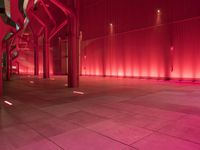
[(7, 62), (36, 57), (10, 54), (73, 55), (80, 52), (1, 80), (46, 44)]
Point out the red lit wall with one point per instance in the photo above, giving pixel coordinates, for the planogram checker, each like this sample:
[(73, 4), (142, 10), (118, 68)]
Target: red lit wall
[(130, 38), (186, 38)]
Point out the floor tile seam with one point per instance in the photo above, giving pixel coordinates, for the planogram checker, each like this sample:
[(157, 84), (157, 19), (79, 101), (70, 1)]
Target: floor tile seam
[(157, 109), (177, 137), (157, 130), (150, 106), (53, 142), (147, 94), (151, 130), (25, 124), (69, 121), (142, 138), (41, 110), (112, 139), (178, 119), (52, 115), (96, 115), (138, 113), (161, 133), (137, 126)]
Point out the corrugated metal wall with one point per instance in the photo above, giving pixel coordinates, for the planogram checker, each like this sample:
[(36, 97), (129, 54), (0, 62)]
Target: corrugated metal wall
[(141, 42)]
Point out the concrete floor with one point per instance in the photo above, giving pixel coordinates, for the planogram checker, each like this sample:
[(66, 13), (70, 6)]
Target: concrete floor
[(112, 114)]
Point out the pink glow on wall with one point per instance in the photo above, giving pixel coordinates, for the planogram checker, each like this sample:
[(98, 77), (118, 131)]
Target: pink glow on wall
[(163, 43), (125, 55), (186, 50)]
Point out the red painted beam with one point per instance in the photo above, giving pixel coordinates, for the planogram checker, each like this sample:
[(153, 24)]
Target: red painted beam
[(58, 29), (30, 12), (50, 16)]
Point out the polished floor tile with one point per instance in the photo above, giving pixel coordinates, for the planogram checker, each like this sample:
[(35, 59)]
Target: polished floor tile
[(186, 128), (121, 132), (59, 110), (41, 145), (17, 136), (111, 114), (144, 121), (51, 126), (83, 118), (163, 142), (83, 139)]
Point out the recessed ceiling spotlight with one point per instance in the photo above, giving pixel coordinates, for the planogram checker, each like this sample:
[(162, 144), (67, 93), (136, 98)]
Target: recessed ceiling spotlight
[(158, 11)]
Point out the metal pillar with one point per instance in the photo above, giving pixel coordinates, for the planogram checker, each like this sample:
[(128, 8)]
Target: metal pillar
[(1, 82), (36, 57), (10, 64), (7, 62), (46, 44), (73, 61), (73, 58)]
